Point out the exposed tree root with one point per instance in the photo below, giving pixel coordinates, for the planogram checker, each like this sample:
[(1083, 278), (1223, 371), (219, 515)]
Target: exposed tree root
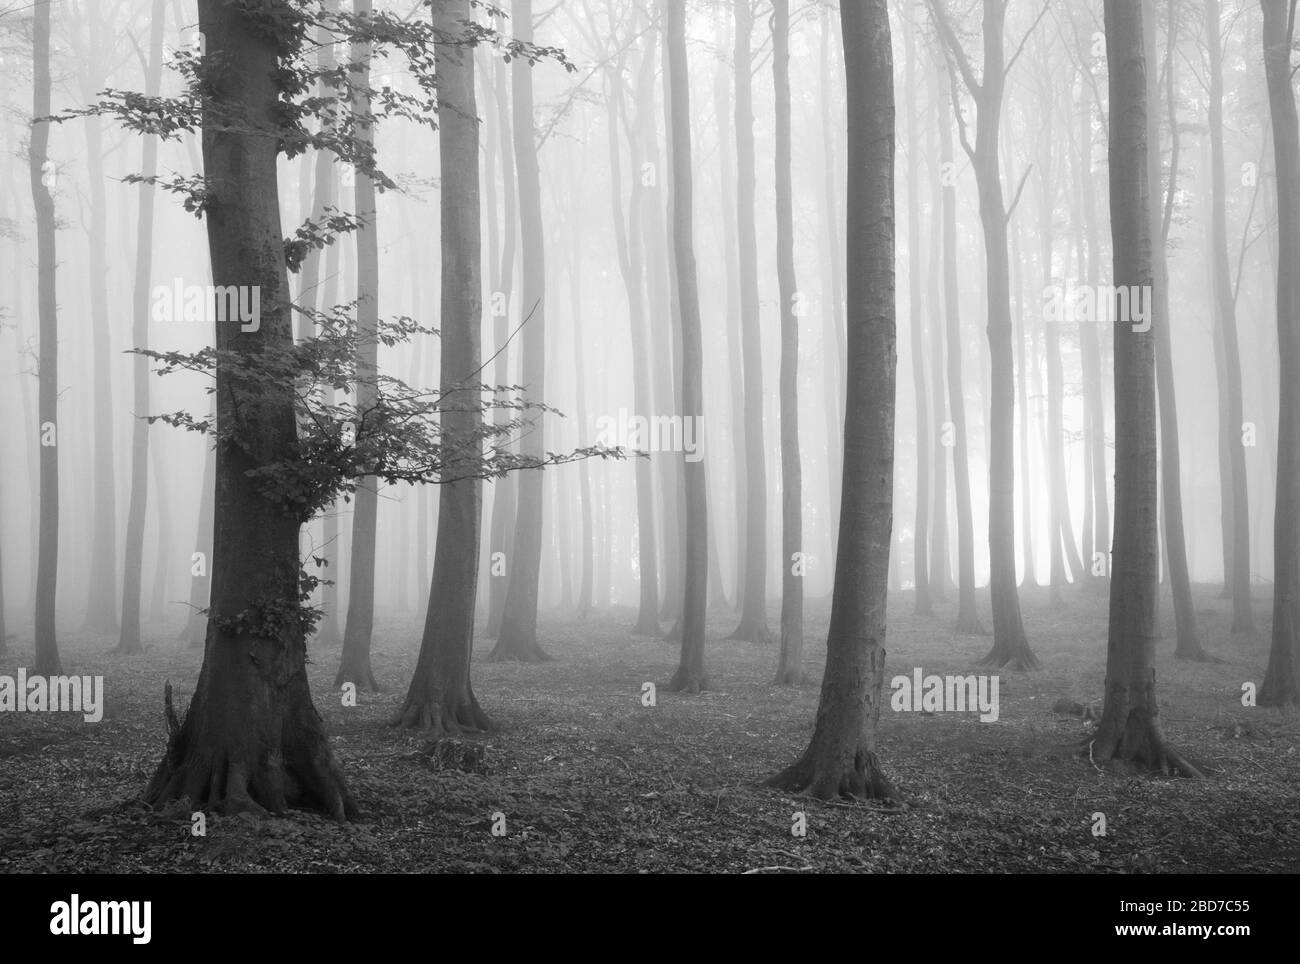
[(356, 669), (1017, 656), (230, 763), (515, 650), (1139, 743), (691, 683), (441, 716), (862, 780)]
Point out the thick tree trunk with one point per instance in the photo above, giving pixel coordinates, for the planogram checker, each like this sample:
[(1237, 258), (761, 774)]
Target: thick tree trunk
[(41, 170), (832, 294), (1129, 730), (753, 606), (1282, 678), (441, 698), (920, 391), (841, 757), (1233, 453), (354, 664), (968, 621), (518, 637), (133, 564), (251, 739), (789, 668)]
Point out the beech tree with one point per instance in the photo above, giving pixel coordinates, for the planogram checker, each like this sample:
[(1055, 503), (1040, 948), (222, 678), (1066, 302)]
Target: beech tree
[(841, 757), (1130, 729), (1280, 680)]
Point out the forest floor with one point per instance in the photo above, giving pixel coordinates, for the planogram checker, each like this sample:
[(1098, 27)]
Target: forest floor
[(589, 779)]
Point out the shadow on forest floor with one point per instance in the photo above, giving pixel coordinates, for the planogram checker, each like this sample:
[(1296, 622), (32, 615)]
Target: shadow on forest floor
[(590, 780)]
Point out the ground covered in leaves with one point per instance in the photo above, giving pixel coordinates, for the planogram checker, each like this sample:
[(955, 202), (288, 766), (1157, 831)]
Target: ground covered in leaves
[(582, 777)]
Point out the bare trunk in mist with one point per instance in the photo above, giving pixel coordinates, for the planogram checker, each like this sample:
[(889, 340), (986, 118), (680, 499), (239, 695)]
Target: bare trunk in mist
[(1129, 730), (920, 391), (129, 641), (101, 601), (518, 637), (690, 676), (1232, 453), (504, 491), (1010, 645), (628, 239), (1281, 678), (840, 759), (753, 605), (968, 621), (832, 294), (251, 739), (42, 176), (354, 664), (1160, 210), (789, 669), (441, 698)]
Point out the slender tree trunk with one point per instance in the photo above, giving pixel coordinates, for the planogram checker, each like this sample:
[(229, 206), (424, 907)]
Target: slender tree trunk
[(832, 295), (1281, 678), (630, 261), (753, 613), (1233, 454), (1026, 365), (1010, 645), (841, 757), (789, 669), (1129, 730), (133, 565), (968, 621), (1189, 644), (587, 548), (690, 676), (504, 491), (101, 601), (518, 637), (251, 739), (921, 528), (42, 176), (441, 698), (940, 564), (354, 664)]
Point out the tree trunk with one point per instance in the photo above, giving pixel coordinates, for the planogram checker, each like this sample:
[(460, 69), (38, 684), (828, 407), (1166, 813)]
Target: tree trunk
[(133, 565), (441, 698), (101, 602), (1129, 730), (968, 620), (921, 530), (1232, 453), (504, 491), (789, 669), (354, 664), (840, 759), (1280, 680), (251, 739), (628, 238), (518, 637), (690, 676), (753, 612), (1010, 646), (42, 174), (1189, 644)]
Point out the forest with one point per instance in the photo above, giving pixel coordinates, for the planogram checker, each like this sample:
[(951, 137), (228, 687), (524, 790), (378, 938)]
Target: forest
[(668, 436)]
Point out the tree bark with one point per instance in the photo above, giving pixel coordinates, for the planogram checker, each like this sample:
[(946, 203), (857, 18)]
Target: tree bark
[(841, 757), (789, 668), (42, 173), (251, 739), (753, 606), (690, 676), (1280, 679), (518, 637), (1129, 730), (441, 697)]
